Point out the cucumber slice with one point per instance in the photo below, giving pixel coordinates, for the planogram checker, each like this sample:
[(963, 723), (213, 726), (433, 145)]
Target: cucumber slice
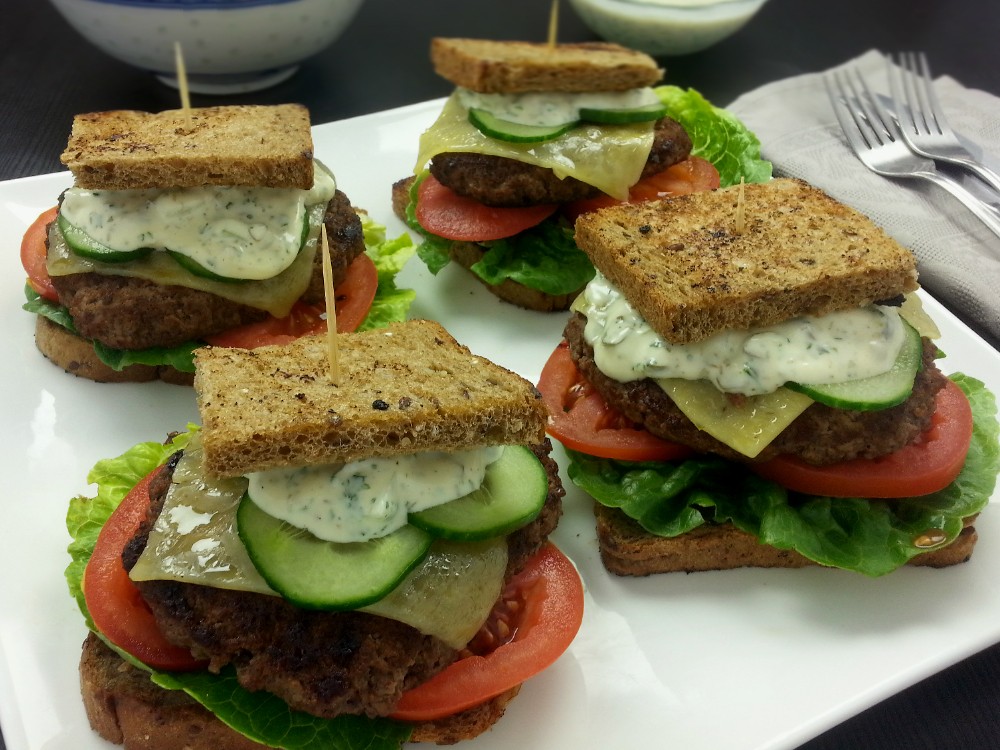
[(624, 116), (879, 391), (513, 132), (86, 246), (513, 493), (316, 574), (192, 266)]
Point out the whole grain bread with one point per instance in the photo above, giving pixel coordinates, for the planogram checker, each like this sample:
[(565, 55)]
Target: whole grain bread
[(466, 254), (628, 550), (255, 145), (503, 67), (76, 355), (690, 272), (403, 389), (126, 708)]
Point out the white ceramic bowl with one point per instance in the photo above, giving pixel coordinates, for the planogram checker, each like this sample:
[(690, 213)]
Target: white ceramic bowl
[(666, 27), (228, 46)]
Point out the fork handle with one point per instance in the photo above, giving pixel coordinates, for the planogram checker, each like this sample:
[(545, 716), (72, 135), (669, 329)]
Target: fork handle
[(984, 212), (983, 172)]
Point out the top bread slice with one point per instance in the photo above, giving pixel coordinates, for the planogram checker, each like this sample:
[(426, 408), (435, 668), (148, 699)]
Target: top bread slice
[(403, 389), (687, 268), (251, 145), (500, 67)]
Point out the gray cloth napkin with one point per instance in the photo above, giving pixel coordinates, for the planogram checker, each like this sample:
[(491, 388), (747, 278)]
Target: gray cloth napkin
[(958, 257)]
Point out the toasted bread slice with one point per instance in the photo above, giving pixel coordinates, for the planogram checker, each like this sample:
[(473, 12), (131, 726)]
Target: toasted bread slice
[(403, 389), (500, 67), (466, 254), (690, 272), (628, 550), (265, 146), (125, 707)]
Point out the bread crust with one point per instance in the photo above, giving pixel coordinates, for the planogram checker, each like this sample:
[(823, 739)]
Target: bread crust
[(690, 273), (76, 356), (126, 708), (403, 389), (628, 550), (256, 145), (512, 67)]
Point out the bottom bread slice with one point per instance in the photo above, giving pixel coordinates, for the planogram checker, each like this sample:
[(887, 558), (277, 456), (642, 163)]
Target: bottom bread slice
[(628, 550), (76, 356), (125, 707)]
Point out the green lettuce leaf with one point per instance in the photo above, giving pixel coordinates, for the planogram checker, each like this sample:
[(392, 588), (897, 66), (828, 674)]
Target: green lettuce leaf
[(716, 135), (391, 304), (867, 536), (544, 257), (260, 716)]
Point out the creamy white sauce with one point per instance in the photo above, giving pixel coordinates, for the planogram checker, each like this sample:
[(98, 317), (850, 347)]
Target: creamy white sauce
[(834, 348), (238, 232), (553, 108), (370, 498)]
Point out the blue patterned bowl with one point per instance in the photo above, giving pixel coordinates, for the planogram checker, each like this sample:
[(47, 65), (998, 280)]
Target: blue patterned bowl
[(229, 46)]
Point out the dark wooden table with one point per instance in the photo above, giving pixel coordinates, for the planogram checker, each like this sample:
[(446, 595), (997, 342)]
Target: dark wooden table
[(48, 73)]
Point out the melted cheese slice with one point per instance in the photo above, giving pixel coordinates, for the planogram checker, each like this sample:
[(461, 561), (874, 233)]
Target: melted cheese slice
[(195, 540), (609, 157), (747, 424)]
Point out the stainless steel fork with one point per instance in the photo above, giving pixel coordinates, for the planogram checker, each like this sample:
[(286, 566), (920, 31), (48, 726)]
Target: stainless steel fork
[(921, 117), (874, 137)]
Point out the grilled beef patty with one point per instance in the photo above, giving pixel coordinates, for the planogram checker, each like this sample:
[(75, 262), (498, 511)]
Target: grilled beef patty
[(323, 663), (129, 313), (499, 181), (820, 435)]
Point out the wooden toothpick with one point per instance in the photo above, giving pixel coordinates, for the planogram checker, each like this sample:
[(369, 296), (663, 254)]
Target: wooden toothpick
[(740, 211), (182, 80), (553, 23), (331, 310)]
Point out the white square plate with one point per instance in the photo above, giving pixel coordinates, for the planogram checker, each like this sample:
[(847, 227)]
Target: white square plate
[(743, 660)]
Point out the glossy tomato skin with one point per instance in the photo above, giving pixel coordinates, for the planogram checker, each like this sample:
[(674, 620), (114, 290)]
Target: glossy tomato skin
[(445, 213), (117, 608), (33, 252), (580, 419), (928, 465), (549, 611)]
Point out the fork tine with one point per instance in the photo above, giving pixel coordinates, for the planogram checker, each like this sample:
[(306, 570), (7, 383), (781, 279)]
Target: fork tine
[(846, 116)]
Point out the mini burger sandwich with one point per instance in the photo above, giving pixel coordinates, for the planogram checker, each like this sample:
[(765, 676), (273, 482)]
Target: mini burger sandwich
[(187, 227), (750, 380), (346, 564), (534, 134)]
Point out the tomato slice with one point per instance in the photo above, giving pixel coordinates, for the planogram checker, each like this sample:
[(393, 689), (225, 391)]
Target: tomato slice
[(115, 604), (547, 612), (923, 467), (354, 298), (580, 419), (443, 212), (689, 176), (33, 255)]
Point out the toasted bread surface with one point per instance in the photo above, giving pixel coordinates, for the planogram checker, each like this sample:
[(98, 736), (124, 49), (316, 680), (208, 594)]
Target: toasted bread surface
[(126, 708), (628, 550), (267, 146), (690, 272), (505, 67), (403, 389)]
